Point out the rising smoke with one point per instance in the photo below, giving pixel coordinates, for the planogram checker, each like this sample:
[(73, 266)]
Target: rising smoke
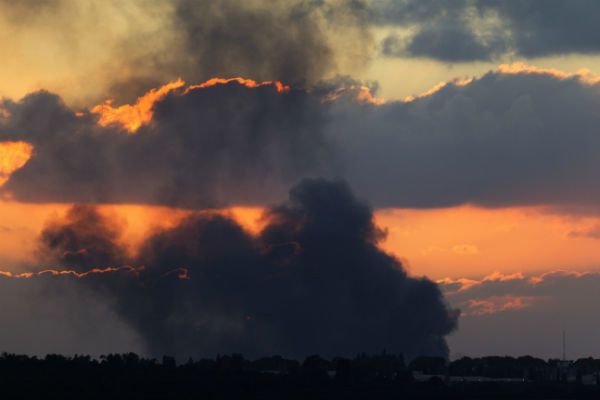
[(312, 281)]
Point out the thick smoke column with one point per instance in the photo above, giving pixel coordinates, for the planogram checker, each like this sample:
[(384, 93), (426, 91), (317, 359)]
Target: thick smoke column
[(296, 41), (313, 281), (84, 240)]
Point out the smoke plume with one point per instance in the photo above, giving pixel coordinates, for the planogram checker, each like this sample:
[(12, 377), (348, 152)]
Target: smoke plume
[(312, 281)]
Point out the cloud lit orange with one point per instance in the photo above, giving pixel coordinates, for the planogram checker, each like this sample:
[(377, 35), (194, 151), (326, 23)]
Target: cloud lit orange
[(583, 74), (58, 272), (249, 83), (362, 94), (132, 117), (496, 304), (13, 155)]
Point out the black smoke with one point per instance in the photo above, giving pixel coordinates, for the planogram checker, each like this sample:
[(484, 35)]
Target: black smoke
[(299, 42), (293, 41), (85, 239), (312, 281)]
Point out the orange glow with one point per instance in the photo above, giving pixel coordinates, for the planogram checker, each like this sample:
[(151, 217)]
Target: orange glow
[(55, 272), (536, 280), (466, 283), (439, 86), (249, 83), (365, 96), (13, 155), (436, 243), (583, 75), (182, 273), (248, 217), (473, 242), (427, 93), (132, 117), (362, 94), (500, 303), (496, 304), (517, 68)]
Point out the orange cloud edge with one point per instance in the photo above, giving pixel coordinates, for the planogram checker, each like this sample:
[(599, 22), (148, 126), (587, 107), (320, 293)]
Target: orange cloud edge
[(131, 117)]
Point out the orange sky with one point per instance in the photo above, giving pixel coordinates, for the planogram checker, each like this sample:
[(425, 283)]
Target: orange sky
[(461, 241)]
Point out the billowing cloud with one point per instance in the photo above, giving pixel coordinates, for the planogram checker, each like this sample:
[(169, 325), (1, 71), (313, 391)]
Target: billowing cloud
[(205, 146), (475, 30), (312, 281), (515, 136)]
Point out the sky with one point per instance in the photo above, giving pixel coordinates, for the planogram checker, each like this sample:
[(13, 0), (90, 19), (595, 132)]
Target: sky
[(200, 177)]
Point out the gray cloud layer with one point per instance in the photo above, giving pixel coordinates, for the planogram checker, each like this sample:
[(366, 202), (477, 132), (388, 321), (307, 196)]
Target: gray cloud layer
[(525, 138), (475, 30), (526, 314)]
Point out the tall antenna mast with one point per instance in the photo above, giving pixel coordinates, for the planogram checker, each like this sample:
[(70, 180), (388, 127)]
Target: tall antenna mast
[(564, 345)]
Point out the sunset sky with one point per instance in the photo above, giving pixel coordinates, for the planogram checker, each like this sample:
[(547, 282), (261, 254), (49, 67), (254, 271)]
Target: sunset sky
[(470, 128)]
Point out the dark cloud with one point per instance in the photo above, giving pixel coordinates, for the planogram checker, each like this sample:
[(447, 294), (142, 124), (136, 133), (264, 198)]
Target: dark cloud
[(453, 44), (202, 149), (439, 30), (503, 139), (526, 137), (313, 281), (85, 239), (463, 30), (543, 28)]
